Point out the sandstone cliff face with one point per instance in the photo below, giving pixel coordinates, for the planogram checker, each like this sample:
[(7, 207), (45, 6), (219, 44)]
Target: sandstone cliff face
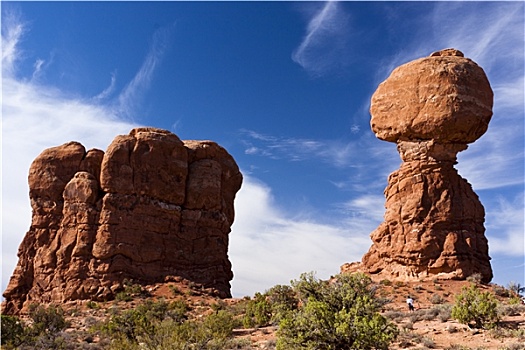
[(433, 224), (150, 208)]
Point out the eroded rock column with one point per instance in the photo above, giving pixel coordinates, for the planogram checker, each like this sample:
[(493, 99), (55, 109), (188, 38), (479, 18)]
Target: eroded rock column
[(434, 222), (151, 208)]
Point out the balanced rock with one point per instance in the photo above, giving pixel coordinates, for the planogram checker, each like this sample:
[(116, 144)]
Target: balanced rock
[(150, 209), (434, 222)]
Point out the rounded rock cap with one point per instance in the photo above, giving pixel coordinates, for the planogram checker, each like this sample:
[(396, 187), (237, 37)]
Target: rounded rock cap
[(444, 97)]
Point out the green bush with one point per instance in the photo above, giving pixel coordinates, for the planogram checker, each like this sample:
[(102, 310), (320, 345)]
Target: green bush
[(270, 307), (12, 331), (44, 330), (474, 306), (340, 314), (133, 323), (47, 320), (165, 326), (130, 290), (282, 300), (258, 312)]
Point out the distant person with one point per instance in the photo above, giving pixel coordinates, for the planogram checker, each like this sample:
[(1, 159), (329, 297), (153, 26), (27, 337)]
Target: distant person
[(410, 303)]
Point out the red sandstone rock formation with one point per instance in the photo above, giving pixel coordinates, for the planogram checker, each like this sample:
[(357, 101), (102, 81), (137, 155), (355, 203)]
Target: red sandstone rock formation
[(151, 208), (432, 108)]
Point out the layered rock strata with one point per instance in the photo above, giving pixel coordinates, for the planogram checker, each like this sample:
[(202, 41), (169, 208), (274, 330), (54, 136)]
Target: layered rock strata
[(150, 208), (434, 222)]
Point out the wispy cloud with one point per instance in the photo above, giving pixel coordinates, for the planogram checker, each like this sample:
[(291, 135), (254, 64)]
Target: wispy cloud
[(130, 97), (367, 160), (336, 152), (323, 46), (12, 30), (107, 92)]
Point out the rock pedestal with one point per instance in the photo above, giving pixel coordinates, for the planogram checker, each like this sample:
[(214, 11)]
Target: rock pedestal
[(151, 208), (433, 224)]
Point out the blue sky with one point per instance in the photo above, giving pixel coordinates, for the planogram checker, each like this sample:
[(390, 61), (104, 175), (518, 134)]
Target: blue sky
[(285, 88)]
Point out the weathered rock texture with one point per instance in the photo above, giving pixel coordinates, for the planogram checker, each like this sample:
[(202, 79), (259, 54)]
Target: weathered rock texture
[(150, 208), (433, 225)]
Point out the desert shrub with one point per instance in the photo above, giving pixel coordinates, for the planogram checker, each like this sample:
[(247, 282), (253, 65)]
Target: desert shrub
[(340, 314), (457, 347), (174, 289), (507, 332), (452, 329), (437, 299), (219, 325), (514, 346), (133, 323), (129, 291), (123, 296), (240, 344), (396, 316), (47, 320), (501, 291), (445, 312), (511, 310), (515, 288), (258, 312), (418, 288), (165, 326), (399, 284), (43, 332), (475, 278), (12, 331), (219, 305), (92, 305), (407, 338), (385, 282), (418, 315), (474, 306), (408, 326), (515, 300), (270, 307), (282, 299), (431, 314), (428, 343), (211, 334)]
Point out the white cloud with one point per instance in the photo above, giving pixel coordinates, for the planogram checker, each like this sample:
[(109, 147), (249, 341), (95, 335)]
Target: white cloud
[(269, 245), (323, 46), (505, 222)]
